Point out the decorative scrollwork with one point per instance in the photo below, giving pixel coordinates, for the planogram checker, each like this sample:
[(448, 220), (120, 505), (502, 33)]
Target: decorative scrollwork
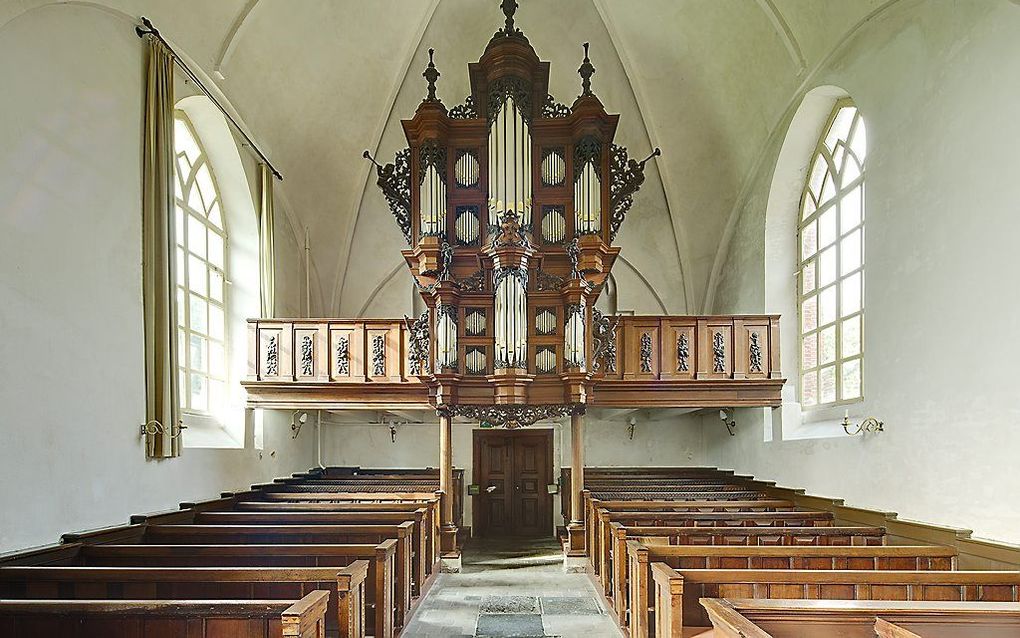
[(646, 353), (501, 273), (588, 149), (548, 281), (272, 357), (307, 366), (625, 178), (509, 86), (551, 108), (379, 356), (465, 111), (433, 154), (683, 353), (719, 352), (513, 416), (418, 343), (394, 180), (755, 353), (475, 282), (604, 341), (343, 356)]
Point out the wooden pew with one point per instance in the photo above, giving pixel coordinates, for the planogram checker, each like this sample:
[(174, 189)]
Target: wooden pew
[(602, 528), (424, 557), (381, 584), (677, 593), (296, 534), (304, 618), (613, 563), (346, 586), (632, 585), (736, 618)]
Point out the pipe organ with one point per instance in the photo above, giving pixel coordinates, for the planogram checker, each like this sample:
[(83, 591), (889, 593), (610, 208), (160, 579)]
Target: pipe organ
[(510, 219)]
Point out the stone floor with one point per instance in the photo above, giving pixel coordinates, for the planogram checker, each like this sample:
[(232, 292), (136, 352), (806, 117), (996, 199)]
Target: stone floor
[(511, 589)]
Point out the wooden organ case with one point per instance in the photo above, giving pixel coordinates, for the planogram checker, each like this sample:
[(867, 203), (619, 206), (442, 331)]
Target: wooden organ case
[(510, 203)]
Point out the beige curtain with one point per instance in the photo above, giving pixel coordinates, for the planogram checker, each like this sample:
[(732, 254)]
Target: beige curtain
[(266, 249), (162, 403)]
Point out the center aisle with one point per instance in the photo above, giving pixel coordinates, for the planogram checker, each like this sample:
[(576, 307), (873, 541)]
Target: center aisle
[(512, 588)]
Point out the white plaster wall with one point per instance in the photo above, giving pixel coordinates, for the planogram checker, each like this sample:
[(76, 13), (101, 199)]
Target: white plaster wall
[(71, 387), (668, 442), (941, 309)]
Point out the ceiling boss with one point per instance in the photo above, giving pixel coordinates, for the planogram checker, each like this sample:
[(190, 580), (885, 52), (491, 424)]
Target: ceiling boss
[(510, 203)]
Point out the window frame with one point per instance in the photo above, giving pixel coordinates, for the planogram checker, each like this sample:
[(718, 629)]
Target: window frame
[(212, 414), (820, 150)]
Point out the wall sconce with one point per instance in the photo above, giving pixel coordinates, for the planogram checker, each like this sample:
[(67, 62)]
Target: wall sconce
[(730, 424), (869, 425), (630, 428), (393, 433), (298, 419)]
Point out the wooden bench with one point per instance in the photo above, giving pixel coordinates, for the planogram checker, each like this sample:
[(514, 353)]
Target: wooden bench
[(298, 534), (424, 541), (381, 584), (677, 593), (736, 618), (603, 526), (346, 586), (304, 618), (632, 584), (611, 567)]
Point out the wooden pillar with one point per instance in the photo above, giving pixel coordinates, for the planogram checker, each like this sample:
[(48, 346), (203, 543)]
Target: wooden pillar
[(448, 533), (575, 530)]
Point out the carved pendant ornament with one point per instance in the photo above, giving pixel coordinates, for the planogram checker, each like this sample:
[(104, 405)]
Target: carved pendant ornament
[(683, 353), (343, 356), (307, 366), (379, 356), (512, 416), (272, 357), (646, 353), (755, 354), (719, 352)]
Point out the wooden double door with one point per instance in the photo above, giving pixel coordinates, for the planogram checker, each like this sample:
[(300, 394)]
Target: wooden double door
[(513, 469)]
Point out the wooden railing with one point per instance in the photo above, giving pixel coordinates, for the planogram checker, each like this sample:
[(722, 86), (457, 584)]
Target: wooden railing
[(668, 361)]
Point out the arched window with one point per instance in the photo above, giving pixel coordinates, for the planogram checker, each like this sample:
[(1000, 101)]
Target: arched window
[(201, 277), (831, 263)]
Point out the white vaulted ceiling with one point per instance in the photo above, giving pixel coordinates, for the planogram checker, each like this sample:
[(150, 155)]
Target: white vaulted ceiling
[(318, 81)]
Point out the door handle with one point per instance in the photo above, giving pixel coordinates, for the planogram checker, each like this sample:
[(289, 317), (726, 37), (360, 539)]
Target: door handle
[(490, 489)]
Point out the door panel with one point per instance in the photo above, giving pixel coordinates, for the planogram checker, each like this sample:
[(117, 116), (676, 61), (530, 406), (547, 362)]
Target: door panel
[(512, 470)]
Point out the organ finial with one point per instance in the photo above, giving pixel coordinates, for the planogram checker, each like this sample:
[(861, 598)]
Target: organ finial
[(509, 7), (586, 70), (431, 74)]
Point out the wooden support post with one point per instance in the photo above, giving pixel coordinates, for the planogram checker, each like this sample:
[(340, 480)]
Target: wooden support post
[(575, 530), (448, 533)]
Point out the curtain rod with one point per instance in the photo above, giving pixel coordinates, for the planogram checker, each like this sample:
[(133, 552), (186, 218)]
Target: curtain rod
[(147, 28)]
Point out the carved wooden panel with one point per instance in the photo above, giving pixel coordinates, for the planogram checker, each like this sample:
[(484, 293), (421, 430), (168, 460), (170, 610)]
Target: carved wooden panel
[(642, 349), (679, 348)]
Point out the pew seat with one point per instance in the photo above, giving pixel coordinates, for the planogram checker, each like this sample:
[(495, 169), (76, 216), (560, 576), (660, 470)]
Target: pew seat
[(675, 602), (345, 586), (304, 618), (746, 618)]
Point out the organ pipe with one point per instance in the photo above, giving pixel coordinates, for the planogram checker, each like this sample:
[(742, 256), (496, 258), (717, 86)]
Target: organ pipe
[(588, 201), (511, 316), (446, 337), (432, 203), (573, 338), (510, 163)]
